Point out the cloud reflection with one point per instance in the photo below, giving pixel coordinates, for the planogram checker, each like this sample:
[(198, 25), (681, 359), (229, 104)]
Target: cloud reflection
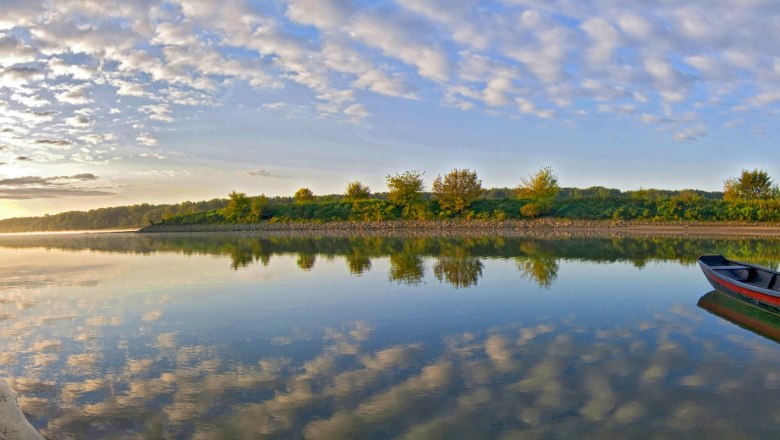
[(537, 379)]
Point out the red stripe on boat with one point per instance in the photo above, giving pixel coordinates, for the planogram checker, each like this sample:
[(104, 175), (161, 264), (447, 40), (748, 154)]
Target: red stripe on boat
[(747, 292)]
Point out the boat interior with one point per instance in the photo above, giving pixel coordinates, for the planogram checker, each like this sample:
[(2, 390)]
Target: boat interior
[(745, 274)]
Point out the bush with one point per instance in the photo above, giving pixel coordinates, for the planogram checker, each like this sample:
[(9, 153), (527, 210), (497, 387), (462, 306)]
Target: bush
[(406, 191), (303, 195), (457, 190), (357, 191), (532, 210)]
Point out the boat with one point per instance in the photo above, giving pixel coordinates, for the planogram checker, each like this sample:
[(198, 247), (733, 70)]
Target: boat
[(756, 285), (742, 313)]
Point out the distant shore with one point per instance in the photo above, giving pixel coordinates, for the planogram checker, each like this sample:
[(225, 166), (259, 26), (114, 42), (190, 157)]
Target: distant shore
[(544, 224)]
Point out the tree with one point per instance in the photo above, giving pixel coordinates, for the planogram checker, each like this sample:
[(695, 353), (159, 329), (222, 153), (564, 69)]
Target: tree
[(750, 185), (258, 206), (303, 195), (457, 190), (540, 189), (406, 190), (357, 191), (237, 207)]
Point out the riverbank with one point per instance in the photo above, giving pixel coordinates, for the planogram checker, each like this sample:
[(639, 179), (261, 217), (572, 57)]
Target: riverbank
[(13, 424), (544, 224)]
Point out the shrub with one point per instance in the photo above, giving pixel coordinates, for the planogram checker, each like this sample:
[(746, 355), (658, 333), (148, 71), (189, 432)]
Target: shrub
[(237, 207), (457, 190), (532, 210), (357, 191), (303, 195), (541, 189), (406, 191)]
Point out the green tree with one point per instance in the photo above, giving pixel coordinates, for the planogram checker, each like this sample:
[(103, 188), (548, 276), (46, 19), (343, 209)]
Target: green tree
[(303, 195), (750, 185), (357, 191), (237, 207), (256, 209), (540, 189), (457, 190), (406, 190)]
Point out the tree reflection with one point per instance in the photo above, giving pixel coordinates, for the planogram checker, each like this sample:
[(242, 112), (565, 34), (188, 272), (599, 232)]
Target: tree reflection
[(306, 260), (406, 268), (458, 268), (537, 254), (537, 262), (542, 270), (358, 263)]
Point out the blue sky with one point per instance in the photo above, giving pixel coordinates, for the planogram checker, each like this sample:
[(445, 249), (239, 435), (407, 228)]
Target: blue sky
[(105, 103)]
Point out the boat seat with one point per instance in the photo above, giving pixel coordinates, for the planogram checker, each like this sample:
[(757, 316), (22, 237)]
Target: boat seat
[(728, 267)]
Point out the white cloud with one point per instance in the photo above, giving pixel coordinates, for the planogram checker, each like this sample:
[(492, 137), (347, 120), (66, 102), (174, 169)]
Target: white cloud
[(691, 133), (13, 51), (545, 49), (527, 107), (58, 67), (604, 40), (16, 77), (146, 139), (74, 94), (158, 112), (30, 100)]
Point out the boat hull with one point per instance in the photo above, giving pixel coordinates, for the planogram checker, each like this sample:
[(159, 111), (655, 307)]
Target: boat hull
[(758, 296)]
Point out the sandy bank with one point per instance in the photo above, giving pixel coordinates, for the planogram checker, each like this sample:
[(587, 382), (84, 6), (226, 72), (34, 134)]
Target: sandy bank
[(13, 424), (546, 224)]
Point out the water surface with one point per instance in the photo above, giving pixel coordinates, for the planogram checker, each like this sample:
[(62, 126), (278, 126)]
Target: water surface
[(299, 336)]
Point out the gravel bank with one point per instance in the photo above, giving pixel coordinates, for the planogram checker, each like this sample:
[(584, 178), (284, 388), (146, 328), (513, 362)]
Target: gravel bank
[(545, 224)]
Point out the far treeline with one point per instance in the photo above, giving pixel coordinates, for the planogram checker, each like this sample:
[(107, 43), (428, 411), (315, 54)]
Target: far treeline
[(752, 196), (118, 217)]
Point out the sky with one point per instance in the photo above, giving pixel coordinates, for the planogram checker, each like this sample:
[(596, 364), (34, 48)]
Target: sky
[(106, 103)]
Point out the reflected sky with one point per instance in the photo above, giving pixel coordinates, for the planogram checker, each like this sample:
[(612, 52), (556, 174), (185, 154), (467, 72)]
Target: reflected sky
[(422, 337)]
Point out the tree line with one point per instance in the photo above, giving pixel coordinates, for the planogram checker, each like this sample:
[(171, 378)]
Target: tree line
[(751, 196), (117, 217)]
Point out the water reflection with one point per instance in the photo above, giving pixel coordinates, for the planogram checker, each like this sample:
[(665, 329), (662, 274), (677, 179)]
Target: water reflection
[(236, 357), (748, 316), (541, 269), (406, 268), (552, 379), (456, 259)]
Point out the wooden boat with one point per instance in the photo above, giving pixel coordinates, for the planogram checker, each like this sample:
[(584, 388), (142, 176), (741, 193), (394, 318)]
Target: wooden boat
[(756, 285), (742, 313)]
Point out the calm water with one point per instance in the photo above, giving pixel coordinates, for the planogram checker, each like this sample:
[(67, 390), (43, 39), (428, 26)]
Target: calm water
[(230, 336)]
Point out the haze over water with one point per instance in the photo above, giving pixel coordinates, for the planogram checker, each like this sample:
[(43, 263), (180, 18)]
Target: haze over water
[(302, 336)]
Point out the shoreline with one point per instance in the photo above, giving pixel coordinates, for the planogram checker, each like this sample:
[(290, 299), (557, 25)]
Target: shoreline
[(587, 227)]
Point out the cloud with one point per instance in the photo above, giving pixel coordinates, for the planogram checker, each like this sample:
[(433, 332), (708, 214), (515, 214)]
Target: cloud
[(58, 68), (159, 112), (56, 143), (15, 77), (13, 51), (146, 139), (264, 173), (30, 100), (691, 133), (147, 60), (74, 94), (37, 187)]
